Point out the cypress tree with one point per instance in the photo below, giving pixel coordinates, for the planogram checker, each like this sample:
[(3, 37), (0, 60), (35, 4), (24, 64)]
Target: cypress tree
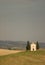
[(28, 46), (37, 45)]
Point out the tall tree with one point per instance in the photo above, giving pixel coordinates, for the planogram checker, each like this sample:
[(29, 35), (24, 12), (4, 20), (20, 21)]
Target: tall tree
[(28, 46), (37, 45)]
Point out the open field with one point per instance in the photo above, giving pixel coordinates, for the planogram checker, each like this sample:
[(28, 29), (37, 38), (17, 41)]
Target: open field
[(24, 58), (6, 51)]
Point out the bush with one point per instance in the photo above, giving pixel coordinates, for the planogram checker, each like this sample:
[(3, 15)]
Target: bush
[(9, 48)]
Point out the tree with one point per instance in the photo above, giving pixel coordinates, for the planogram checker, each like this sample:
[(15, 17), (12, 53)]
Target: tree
[(28, 46), (37, 45)]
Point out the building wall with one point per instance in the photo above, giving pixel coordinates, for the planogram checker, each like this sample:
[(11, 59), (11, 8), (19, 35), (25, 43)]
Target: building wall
[(33, 47)]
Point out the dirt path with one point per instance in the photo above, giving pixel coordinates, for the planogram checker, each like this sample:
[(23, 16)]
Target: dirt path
[(6, 52)]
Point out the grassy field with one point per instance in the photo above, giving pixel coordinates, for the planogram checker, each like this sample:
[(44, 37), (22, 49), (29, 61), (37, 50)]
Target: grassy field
[(24, 58)]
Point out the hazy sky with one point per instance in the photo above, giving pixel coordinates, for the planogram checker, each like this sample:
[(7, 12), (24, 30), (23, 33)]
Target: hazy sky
[(22, 20)]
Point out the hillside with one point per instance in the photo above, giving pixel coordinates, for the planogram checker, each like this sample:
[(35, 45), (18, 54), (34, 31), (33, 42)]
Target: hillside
[(24, 58), (11, 44)]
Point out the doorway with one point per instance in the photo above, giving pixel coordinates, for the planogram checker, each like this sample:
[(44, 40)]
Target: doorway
[(33, 49)]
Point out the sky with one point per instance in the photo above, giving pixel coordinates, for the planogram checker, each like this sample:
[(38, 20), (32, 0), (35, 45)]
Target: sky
[(22, 20)]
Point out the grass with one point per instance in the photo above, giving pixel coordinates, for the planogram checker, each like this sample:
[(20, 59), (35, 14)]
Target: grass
[(24, 58)]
